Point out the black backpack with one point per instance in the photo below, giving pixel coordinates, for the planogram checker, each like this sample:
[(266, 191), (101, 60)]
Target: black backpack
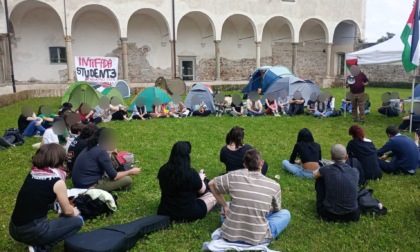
[(91, 209), (368, 204), (19, 140)]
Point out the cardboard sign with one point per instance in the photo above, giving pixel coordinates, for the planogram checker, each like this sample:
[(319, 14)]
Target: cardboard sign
[(96, 69)]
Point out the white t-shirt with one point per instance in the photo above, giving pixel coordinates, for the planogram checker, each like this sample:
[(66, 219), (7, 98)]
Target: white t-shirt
[(49, 137)]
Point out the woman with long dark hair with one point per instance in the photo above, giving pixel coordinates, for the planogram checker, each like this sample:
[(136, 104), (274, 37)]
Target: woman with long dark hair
[(42, 186), (309, 153), (184, 193), (233, 153), (94, 161), (364, 150)]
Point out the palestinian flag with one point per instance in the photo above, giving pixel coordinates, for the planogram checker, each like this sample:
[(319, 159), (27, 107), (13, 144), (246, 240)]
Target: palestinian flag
[(410, 37), (351, 62)]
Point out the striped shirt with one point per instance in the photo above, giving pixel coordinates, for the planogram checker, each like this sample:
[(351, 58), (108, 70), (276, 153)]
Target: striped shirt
[(252, 197)]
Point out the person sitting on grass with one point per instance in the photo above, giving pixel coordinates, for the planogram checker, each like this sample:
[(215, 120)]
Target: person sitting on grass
[(254, 108), (237, 110), (42, 187), (232, 155), (29, 124), (346, 105), (309, 152), (201, 110), (272, 107), (47, 119), (85, 116), (405, 124), (254, 215), (284, 103), (50, 135), (118, 112), (364, 150), (157, 112), (184, 194), (66, 107), (337, 189), (140, 113), (391, 108), (79, 144), (297, 106), (94, 161), (403, 151), (310, 107)]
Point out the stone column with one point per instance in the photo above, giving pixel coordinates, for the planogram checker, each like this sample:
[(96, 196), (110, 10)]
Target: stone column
[(258, 54), (217, 52), (329, 47), (173, 66), (294, 58), (70, 59), (124, 58), (6, 58)]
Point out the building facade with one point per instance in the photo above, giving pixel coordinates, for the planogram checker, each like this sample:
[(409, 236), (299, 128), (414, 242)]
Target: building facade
[(212, 40)]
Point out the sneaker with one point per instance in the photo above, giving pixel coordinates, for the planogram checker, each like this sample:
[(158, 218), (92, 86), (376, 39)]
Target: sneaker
[(127, 119), (38, 134), (277, 115), (36, 249)]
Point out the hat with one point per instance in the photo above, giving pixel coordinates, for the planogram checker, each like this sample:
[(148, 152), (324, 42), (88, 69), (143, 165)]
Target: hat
[(351, 80)]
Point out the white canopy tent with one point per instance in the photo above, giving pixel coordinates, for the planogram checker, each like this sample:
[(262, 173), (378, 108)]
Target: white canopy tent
[(388, 52)]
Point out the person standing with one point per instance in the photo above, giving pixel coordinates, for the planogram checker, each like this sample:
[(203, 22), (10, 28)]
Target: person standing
[(357, 83)]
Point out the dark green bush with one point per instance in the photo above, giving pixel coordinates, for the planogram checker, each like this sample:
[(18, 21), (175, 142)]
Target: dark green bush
[(382, 84)]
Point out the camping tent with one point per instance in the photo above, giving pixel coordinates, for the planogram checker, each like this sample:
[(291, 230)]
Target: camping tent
[(291, 85), (256, 80), (204, 94), (273, 74), (109, 92), (387, 52), (123, 88), (80, 92), (150, 94)]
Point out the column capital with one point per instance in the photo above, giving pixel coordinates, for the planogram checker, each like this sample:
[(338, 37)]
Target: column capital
[(258, 43), (123, 39), (67, 38), (294, 44), (217, 41)]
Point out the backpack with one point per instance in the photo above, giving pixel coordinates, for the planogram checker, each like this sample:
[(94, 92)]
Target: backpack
[(368, 204), (19, 140)]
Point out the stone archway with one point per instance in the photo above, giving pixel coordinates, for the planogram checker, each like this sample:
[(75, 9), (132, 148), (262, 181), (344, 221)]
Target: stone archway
[(149, 46), (195, 46), (238, 57), (37, 43), (276, 43)]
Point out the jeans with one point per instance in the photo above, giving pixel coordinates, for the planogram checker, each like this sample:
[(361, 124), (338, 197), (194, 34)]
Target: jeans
[(392, 167), (326, 114), (31, 129), (255, 114), (44, 233), (297, 170), (277, 221)]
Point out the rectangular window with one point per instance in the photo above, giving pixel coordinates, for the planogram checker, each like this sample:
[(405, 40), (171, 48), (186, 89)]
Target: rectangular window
[(58, 55), (341, 63)]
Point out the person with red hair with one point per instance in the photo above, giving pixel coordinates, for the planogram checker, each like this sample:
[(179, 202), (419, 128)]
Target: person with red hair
[(364, 151)]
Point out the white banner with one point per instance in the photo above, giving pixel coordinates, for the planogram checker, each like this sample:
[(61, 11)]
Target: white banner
[(96, 69)]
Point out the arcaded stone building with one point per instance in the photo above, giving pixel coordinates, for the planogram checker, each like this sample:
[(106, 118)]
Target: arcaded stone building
[(213, 39)]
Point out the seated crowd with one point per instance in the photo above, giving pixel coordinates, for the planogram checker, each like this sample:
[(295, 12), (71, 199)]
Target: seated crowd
[(254, 214)]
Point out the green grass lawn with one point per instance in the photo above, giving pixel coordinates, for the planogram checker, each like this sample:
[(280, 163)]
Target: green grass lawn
[(152, 140)]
